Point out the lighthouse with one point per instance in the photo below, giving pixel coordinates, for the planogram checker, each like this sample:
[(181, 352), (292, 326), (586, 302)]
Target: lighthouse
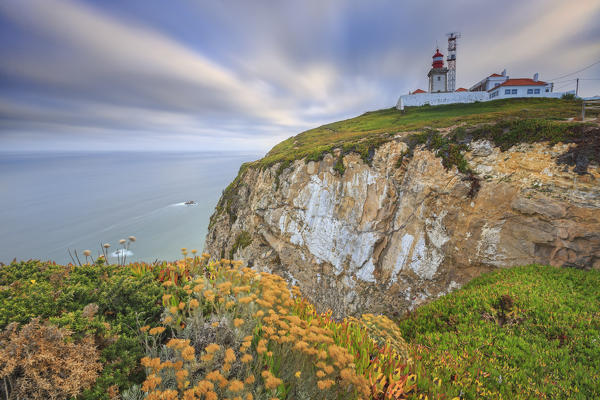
[(438, 74)]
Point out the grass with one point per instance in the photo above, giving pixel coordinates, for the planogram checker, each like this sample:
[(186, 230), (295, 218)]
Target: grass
[(365, 132), (339, 165), (228, 198), (526, 332)]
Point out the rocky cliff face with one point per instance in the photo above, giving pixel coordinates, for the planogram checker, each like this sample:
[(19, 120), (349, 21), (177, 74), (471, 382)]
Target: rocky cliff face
[(388, 236)]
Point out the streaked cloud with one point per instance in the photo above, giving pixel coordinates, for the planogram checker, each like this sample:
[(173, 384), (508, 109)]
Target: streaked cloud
[(245, 75)]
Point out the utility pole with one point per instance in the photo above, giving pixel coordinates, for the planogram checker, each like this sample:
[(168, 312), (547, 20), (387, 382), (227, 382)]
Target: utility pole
[(577, 88)]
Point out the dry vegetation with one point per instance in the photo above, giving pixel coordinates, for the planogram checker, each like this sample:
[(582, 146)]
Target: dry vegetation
[(39, 361)]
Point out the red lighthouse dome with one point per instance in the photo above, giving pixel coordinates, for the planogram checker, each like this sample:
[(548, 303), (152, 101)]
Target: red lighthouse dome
[(438, 59)]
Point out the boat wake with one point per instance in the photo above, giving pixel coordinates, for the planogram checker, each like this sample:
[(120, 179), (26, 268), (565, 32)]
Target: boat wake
[(190, 203)]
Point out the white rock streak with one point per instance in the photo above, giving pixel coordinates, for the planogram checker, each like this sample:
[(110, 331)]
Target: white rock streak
[(313, 223)]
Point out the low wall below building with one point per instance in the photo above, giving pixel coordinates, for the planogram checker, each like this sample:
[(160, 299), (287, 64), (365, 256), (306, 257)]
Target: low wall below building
[(434, 99)]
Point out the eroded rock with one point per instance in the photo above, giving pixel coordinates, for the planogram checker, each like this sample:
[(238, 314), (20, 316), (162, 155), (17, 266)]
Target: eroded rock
[(384, 238)]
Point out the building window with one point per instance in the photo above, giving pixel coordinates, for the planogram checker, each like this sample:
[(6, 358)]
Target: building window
[(514, 91), (438, 78), (494, 94), (529, 91), (537, 91), (507, 91), (547, 90)]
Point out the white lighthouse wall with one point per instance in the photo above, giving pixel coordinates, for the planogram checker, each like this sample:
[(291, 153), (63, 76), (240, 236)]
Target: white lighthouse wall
[(437, 83)]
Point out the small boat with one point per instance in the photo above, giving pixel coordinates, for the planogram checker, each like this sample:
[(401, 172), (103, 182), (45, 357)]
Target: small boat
[(190, 203)]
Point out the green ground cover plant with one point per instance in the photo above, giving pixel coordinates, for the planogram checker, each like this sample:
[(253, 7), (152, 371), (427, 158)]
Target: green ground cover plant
[(520, 333)]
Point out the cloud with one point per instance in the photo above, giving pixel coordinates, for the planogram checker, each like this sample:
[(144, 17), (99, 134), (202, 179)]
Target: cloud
[(238, 74), (120, 61)]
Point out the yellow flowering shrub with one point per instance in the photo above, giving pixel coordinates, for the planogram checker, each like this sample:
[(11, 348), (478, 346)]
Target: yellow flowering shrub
[(243, 334)]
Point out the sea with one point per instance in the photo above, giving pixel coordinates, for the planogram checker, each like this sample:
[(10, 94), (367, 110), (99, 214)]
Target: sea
[(53, 203)]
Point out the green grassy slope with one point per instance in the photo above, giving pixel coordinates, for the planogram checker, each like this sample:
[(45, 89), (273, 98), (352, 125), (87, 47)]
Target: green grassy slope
[(522, 333), (374, 128)]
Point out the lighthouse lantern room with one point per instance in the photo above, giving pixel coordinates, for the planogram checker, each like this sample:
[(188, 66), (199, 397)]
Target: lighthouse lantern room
[(438, 74)]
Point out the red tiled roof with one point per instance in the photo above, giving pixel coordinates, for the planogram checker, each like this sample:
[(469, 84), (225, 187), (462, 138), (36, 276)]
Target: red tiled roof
[(419, 91), (520, 82), (495, 76), (461, 89)]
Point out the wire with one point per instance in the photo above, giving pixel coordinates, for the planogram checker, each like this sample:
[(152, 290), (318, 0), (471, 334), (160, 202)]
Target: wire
[(566, 80), (563, 86), (583, 69)]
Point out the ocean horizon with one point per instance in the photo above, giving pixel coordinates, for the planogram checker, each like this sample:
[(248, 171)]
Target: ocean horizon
[(54, 202)]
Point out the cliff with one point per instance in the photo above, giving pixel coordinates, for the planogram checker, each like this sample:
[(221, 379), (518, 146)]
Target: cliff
[(400, 217)]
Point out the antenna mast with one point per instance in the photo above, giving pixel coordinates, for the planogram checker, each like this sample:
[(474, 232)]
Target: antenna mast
[(452, 36)]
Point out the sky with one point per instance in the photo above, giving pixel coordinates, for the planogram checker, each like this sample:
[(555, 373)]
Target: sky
[(204, 75)]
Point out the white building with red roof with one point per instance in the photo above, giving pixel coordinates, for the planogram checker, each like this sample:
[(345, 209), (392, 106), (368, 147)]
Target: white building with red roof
[(489, 82), (521, 87)]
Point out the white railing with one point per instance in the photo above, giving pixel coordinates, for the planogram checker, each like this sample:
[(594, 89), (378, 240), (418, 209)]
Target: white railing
[(589, 105)]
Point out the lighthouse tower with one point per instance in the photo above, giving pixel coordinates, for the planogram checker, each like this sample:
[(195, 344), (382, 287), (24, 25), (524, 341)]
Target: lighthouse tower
[(438, 74)]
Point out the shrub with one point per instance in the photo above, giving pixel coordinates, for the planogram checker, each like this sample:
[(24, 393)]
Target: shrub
[(242, 334), (450, 151), (568, 96), (116, 301), (242, 241), (39, 362), (339, 165), (508, 133)]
